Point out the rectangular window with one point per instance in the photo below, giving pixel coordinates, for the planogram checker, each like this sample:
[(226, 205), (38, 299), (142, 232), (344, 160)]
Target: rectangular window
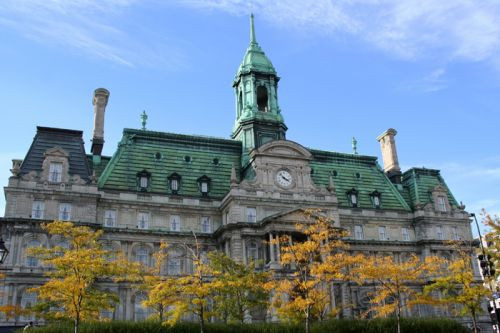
[(354, 199), (143, 220), (439, 233), (65, 212), (441, 204), (204, 187), (55, 172), (456, 234), (405, 234), (37, 210), (382, 233), (175, 223), (358, 232), (143, 182), (110, 218), (376, 201), (251, 215), (174, 185), (206, 225)]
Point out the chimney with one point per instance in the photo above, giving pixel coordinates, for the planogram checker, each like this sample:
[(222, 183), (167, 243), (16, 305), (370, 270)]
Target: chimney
[(390, 155), (99, 101)]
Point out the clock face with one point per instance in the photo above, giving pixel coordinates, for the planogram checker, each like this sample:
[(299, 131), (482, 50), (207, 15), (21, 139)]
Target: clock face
[(284, 178)]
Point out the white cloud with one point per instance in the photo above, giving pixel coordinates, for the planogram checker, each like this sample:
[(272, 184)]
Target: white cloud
[(90, 27), (432, 82), (458, 29)]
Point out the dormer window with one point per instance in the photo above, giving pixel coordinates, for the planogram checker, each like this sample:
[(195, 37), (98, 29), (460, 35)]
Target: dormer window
[(55, 172), (204, 185), (174, 181), (375, 195), (441, 203), (143, 178), (352, 196)]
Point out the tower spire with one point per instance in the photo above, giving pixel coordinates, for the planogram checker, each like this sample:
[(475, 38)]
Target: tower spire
[(252, 31)]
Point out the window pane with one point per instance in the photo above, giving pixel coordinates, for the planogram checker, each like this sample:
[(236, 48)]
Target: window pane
[(109, 218), (175, 223), (174, 185), (205, 224), (376, 201), (204, 187), (354, 199), (381, 233), (55, 172), (439, 233), (143, 220), (37, 210), (405, 234), (65, 212), (358, 232), (251, 215), (441, 204), (144, 181)]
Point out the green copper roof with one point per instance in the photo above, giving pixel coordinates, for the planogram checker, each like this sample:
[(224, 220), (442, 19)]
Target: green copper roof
[(255, 59), (360, 172), (162, 154), (420, 182)]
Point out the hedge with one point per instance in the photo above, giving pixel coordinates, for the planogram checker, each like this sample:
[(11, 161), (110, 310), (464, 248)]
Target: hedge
[(408, 325)]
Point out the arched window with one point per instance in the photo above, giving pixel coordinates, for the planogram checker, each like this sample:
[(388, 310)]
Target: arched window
[(32, 261), (262, 98), (142, 255)]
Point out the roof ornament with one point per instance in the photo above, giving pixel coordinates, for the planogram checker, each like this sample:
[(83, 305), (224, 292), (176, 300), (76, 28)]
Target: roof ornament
[(354, 146), (331, 185), (234, 180), (144, 119), (252, 31)]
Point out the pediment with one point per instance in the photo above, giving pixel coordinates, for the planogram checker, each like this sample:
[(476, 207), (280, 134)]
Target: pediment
[(283, 148), (439, 188), (56, 151)]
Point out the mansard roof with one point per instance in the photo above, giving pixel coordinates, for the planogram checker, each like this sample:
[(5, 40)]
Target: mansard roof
[(360, 172), (419, 184), (70, 141), (162, 154)]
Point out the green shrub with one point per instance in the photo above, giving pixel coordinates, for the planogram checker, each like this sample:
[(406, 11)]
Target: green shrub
[(382, 325)]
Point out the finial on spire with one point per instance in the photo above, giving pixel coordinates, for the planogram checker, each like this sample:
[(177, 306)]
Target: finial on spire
[(144, 119), (354, 146), (252, 31)]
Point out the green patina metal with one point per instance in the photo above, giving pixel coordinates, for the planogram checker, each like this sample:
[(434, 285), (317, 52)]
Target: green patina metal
[(162, 154), (258, 121), (354, 146), (144, 119), (258, 115), (360, 172), (419, 184)]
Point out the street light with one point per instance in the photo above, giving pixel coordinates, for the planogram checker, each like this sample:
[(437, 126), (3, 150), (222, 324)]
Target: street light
[(3, 251)]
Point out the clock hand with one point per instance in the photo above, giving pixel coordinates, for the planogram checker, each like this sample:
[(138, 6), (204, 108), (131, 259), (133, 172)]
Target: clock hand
[(287, 179)]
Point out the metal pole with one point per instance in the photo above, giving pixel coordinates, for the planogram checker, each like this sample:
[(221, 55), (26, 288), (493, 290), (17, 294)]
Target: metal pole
[(487, 262)]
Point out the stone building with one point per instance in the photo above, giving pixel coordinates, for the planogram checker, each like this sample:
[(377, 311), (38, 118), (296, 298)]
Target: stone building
[(236, 194)]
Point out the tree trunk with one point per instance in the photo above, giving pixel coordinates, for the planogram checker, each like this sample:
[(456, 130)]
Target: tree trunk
[(202, 321), (398, 317), (473, 313), (307, 319), (77, 322)]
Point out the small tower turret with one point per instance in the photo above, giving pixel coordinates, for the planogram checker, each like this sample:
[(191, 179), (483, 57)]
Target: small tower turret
[(258, 116)]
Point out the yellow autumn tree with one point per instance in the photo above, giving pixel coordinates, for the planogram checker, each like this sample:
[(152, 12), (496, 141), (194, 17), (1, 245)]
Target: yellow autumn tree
[(312, 265), (71, 288), (237, 288), (162, 290), (458, 285), (395, 284), (493, 240)]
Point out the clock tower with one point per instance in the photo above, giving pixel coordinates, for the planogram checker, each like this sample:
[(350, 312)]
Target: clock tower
[(258, 116)]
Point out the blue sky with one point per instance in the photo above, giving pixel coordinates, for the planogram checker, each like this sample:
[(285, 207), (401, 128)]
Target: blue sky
[(430, 69)]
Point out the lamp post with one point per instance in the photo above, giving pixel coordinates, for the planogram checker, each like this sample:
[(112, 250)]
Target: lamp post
[(488, 271)]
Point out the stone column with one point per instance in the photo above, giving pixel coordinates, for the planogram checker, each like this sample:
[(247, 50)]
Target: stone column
[(271, 248), (236, 248)]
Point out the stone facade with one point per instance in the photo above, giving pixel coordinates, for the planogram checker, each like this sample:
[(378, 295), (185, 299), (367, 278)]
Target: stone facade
[(235, 194)]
